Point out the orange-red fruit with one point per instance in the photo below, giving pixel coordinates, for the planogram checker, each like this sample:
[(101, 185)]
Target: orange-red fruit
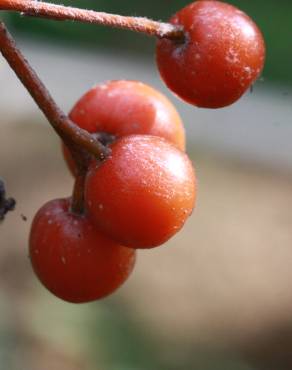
[(72, 258), (125, 108), (143, 193), (222, 55)]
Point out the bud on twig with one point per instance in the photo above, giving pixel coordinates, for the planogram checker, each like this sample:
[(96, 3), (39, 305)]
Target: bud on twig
[(6, 205)]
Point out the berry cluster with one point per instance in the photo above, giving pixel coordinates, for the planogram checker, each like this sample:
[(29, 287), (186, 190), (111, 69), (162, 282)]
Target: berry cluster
[(139, 196), (142, 192)]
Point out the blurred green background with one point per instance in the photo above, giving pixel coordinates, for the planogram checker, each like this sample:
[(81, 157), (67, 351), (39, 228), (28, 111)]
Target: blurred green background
[(273, 18)]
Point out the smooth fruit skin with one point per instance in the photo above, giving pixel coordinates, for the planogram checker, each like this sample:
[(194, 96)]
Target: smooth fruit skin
[(72, 259), (122, 107), (143, 193), (222, 55)]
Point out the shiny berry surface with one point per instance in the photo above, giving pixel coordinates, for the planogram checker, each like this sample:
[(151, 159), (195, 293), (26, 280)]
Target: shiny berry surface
[(222, 55), (122, 108), (143, 193), (72, 259)]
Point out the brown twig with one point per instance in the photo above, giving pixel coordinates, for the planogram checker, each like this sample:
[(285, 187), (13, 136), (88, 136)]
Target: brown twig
[(77, 202), (66, 129), (62, 13)]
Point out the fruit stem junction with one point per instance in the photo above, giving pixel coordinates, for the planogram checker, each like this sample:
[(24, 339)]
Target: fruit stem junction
[(59, 12)]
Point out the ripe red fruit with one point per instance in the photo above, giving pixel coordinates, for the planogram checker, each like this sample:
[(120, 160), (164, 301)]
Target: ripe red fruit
[(72, 259), (222, 55), (142, 194), (124, 108)]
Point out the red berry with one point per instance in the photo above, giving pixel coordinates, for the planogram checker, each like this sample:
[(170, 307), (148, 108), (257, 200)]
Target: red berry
[(72, 259), (222, 55), (127, 107), (142, 194)]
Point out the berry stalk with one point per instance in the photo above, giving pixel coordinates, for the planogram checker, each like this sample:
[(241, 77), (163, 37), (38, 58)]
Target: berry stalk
[(77, 202), (73, 135), (62, 13)]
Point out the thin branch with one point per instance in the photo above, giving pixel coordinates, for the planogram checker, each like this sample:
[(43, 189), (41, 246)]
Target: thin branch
[(77, 201), (66, 129), (62, 13)]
